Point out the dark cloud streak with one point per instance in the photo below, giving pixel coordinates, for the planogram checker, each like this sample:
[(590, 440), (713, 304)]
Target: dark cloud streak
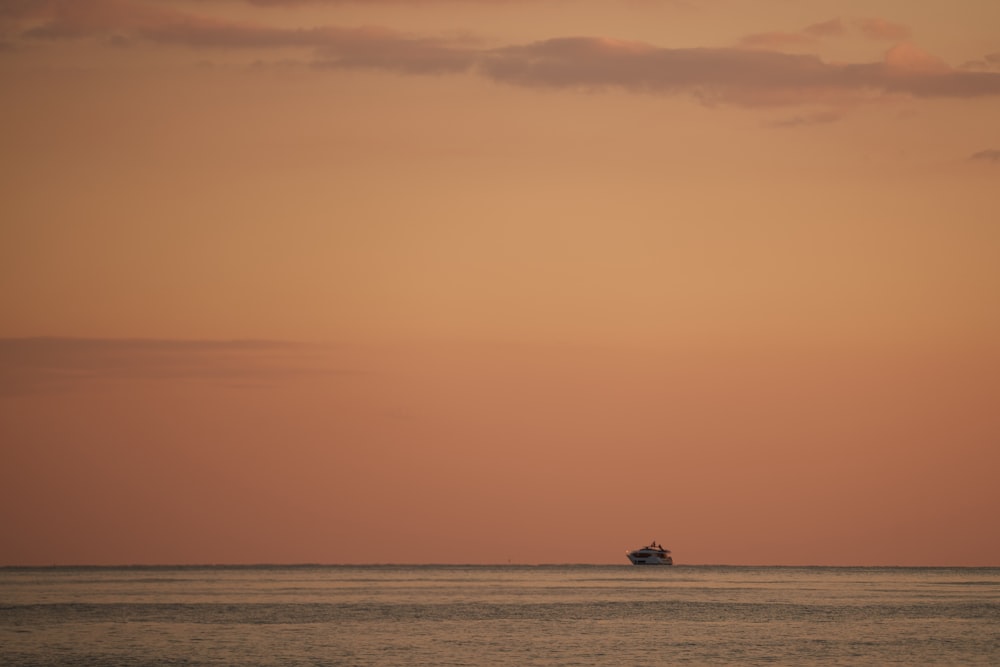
[(728, 75), (988, 155), (749, 77), (833, 27), (880, 29), (45, 364), (817, 118)]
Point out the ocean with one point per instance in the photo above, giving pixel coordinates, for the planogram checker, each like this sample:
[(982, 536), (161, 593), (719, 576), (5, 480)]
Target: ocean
[(502, 615)]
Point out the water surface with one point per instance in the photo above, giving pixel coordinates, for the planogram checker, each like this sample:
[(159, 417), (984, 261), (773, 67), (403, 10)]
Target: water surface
[(481, 615)]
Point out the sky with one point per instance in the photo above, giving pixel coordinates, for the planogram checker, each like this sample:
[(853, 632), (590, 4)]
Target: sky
[(499, 281)]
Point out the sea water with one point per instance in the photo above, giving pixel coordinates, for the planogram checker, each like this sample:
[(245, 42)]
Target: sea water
[(507, 615)]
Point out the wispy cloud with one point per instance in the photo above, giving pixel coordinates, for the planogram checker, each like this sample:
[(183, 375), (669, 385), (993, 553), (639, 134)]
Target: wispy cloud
[(990, 61), (33, 365), (815, 118), (733, 75), (379, 48), (297, 3), (870, 28), (988, 155), (831, 28), (881, 29), (730, 75), (777, 40)]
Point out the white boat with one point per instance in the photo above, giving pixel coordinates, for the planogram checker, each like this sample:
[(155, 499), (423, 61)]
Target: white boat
[(654, 554)]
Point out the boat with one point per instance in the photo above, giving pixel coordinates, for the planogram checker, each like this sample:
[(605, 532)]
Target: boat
[(654, 554)]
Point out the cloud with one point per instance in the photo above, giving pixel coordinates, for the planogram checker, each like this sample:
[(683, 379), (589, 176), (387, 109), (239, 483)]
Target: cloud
[(740, 76), (871, 28), (776, 40), (990, 61), (374, 47), (297, 3), (736, 76), (988, 155), (34, 365), (910, 59), (816, 118), (349, 47), (831, 28), (880, 29), (779, 40), (76, 19), (598, 62), (379, 48), (65, 19)]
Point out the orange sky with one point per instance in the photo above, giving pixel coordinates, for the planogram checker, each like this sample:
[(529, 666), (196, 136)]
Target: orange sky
[(473, 281)]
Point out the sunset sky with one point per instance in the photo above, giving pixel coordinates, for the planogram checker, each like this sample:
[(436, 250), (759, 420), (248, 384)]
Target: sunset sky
[(490, 281)]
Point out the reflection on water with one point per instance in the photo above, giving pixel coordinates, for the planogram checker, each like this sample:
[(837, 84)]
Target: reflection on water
[(475, 615)]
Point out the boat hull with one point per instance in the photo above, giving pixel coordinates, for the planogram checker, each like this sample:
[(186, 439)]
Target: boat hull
[(665, 563), (650, 557)]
